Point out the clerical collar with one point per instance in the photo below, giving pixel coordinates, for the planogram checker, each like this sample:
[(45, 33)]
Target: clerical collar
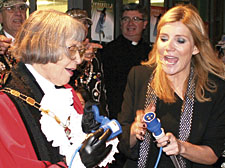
[(134, 43)]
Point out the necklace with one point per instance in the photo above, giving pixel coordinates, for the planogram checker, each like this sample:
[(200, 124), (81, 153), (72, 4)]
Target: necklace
[(35, 104), (89, 76), (86, 77)]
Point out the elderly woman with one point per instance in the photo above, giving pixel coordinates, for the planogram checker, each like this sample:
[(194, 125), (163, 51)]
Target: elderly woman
[(183, 83), (40, 115)]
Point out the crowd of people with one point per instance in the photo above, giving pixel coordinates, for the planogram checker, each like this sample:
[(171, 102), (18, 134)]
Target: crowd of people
[(50, 70)]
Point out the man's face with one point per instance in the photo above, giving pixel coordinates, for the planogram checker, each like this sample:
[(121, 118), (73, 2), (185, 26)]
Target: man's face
[(12, 18), (132, 25)]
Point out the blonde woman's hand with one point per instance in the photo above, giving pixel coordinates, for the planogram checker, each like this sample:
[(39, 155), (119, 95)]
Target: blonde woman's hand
[(139, 127), (171, 145)]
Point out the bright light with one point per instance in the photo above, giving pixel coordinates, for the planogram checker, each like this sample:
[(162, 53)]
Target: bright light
[(157, 1), (44, 3), (153, 1)]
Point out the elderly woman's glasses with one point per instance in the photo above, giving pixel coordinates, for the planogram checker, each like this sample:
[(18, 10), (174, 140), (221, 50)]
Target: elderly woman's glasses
[(134, 19), (12, 9), (73, 49)]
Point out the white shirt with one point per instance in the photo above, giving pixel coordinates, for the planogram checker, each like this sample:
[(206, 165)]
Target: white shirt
[(9, 35)]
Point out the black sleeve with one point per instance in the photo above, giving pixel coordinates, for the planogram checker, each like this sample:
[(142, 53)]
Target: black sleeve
[(126, 118), (215, 134)]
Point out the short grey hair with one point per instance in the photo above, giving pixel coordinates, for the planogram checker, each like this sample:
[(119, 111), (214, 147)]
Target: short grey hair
[(43, 36)]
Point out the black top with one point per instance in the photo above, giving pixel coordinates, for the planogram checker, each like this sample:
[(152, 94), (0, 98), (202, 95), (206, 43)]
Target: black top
[(119, 56), (208, 122)]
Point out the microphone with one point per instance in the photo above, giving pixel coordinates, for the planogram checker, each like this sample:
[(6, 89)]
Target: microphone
[(106, 123), (154, 126), (111, 128)]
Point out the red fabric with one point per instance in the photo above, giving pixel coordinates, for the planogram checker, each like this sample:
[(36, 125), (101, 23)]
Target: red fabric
[(16, 150), (76, 101)]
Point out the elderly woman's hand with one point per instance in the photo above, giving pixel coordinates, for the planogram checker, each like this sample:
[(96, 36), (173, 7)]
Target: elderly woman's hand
[(91, 49), (94, 148), (4, 44)]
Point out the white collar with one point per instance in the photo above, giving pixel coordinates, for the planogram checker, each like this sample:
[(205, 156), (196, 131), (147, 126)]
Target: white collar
[(134, 43), (43, 82), (8, 35)]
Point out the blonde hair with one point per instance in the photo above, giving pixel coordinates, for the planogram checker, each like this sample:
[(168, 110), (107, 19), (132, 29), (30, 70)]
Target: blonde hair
[(43, 34), (205, 62)]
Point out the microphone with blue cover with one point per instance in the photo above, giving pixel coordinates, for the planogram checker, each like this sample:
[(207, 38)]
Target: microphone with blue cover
[(154, 126)]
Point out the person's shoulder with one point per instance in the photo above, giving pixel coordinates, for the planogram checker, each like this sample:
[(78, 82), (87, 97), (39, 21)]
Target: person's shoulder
[(114, 42), (140, 75), (216, 79), (142, 41), (145, 44), (142, 70), (220, 83)]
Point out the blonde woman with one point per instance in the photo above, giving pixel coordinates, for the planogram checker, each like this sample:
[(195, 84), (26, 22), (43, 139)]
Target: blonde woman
[(183, 83)]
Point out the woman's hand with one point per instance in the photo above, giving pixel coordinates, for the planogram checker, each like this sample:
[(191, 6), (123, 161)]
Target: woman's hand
[(139, 127), (171, 145), (196, 153), (94, 149)]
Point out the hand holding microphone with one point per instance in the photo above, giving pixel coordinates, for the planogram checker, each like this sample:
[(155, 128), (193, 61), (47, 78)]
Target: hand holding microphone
[(92, 120), (101, 130), (94, 149), (154, 126)]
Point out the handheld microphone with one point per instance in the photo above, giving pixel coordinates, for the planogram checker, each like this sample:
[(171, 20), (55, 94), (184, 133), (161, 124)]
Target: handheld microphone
[(154, 126)]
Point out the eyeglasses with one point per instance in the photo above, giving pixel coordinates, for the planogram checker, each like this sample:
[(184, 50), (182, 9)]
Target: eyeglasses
[(73, 49), (134, 19), (86, 23), (12, 9)]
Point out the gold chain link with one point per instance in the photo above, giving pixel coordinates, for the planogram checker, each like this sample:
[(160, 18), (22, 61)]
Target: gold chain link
[(37, 105)]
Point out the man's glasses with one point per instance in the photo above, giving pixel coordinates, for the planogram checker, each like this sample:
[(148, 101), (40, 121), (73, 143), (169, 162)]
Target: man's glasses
[(134, 19), (73, 49), (12, 9)]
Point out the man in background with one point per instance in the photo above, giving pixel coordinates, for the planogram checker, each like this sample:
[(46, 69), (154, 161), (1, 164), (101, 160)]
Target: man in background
[(12, 16), (121, 54)]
